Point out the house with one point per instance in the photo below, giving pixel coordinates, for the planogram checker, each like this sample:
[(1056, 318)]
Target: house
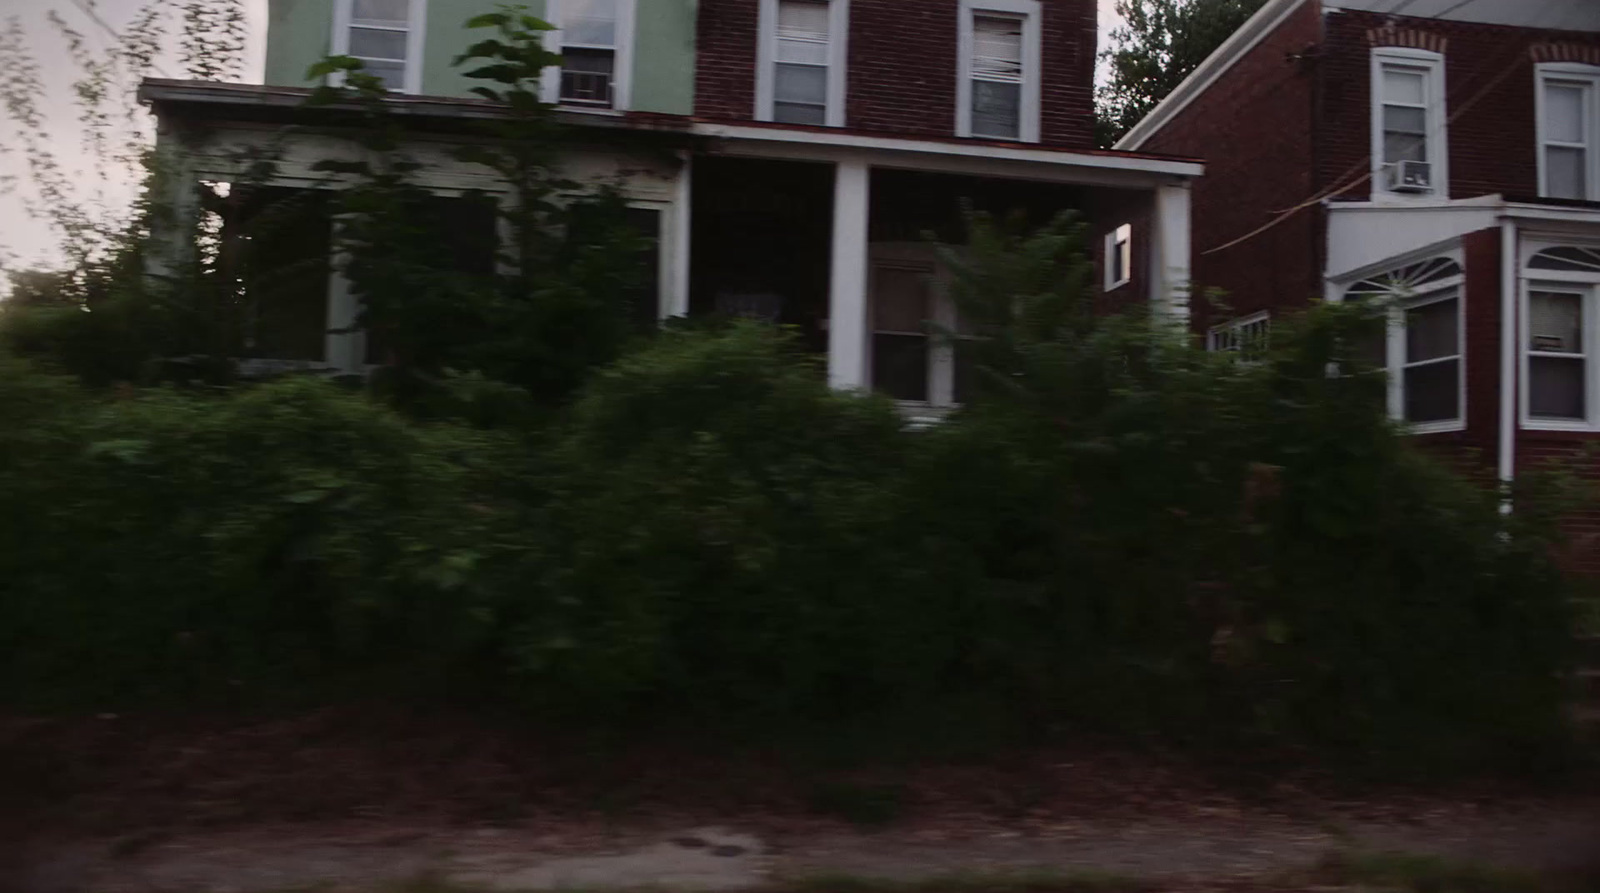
[(1441, 155), (787, 156)]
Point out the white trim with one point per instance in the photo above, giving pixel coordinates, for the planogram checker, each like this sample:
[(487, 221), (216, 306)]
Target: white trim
[(1586, 284), (1509, 338), (1567, 71), (1171, 253), (813, 144), (849, 312), (1438, 131), (1119, 242), (622, 67), (1236, 327), (1451, 289), (677, 298), (416, 40), (1255, 29), (1032, 60), (838, 60)]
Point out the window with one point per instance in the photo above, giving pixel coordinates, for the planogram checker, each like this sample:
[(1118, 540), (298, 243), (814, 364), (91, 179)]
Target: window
[(801, 74), (386, 35), (1569, 131), (998, 93), (1409, 155), (594, 39), (1119, 256), (913, 356), (1559, 318), (1424, 349), (1246, 336)]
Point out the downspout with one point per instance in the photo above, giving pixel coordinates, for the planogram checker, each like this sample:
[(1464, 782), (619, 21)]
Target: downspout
[(1509, 388)]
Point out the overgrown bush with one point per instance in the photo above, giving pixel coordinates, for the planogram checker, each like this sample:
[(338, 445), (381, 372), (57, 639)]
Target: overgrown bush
[(1121, 533)]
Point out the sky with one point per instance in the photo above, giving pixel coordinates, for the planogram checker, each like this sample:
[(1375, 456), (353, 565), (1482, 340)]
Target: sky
[(24, 240)]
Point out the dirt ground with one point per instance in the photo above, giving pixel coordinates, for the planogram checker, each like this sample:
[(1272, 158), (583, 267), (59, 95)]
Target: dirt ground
[(354, 800)]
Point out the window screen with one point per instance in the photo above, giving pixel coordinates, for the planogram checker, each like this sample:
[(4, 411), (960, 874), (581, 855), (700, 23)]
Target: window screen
[(800, 63), (380, 37), (997, 73), (588, 52)]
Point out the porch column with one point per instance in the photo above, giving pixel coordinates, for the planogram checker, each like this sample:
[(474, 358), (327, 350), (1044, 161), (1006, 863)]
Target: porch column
[(176, 209), (849, 356), (675, 301), (1169, 254), (344, 346)]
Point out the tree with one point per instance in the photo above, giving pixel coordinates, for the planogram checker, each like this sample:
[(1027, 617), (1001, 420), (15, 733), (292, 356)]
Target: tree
[(1162, 42)]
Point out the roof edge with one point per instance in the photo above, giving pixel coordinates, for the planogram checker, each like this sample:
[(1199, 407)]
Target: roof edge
[(1220, 62)]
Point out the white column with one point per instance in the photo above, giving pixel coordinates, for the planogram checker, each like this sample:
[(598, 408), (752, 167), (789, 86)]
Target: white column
[(1169, 254), (849, 353), (344, 347), (176, 211), (675, 300)]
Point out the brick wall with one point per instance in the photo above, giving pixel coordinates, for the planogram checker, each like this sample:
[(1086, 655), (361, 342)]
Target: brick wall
[(725, 59), (1490, 93), (1254, 128), (902, 67)]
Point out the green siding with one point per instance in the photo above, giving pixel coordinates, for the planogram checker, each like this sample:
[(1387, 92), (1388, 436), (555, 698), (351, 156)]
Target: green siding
[(663, 67), (448, 38), (298, 32)]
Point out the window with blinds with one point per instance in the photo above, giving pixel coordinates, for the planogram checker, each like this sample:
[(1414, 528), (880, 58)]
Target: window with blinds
[(801, 52), (1569, 134), (379, 34), (997, 75)]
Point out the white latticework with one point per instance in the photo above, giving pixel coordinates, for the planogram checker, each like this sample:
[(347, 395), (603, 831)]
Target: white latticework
[(1405, 280)]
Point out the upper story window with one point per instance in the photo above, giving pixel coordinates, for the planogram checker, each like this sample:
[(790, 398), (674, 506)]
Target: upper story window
[(595, 41), (386, 35), (1424, 350), (801, 73), (1561, 322), (1569, 131), (1409, 152), (998, 92)]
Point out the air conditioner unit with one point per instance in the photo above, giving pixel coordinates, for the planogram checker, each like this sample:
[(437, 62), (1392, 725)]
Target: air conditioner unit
[(1410, 176)]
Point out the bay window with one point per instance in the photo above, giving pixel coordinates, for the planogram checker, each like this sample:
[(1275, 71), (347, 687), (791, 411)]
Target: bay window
[(1424, 345), (386, 35), (998, 91), (1569, 131), (1560, 326), (801, 71)]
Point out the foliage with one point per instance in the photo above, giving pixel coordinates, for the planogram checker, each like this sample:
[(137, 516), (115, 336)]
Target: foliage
[(1121, 533), (1159, 44)]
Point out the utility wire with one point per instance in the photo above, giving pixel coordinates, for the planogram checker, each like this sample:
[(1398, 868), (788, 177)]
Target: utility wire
[(1364, 167)]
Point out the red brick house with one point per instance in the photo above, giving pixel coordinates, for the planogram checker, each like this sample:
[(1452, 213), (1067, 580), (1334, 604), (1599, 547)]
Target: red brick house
[(795, 152), (1444, 155)]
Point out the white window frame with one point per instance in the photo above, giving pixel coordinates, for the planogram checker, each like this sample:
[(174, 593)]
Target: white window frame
[(1229, 337), (1396, 304), (1438, 129), (1030, 12), (838, 61), (1451, 289), (621, 74), (1119, 243), (416, 36), (1571, 72), (1587, 284)]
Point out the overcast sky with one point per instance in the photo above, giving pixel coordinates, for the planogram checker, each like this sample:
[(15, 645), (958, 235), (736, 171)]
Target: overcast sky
[(24, 240)]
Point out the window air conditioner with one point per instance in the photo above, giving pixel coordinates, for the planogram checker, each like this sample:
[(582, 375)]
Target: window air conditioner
[(1410, 176)]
